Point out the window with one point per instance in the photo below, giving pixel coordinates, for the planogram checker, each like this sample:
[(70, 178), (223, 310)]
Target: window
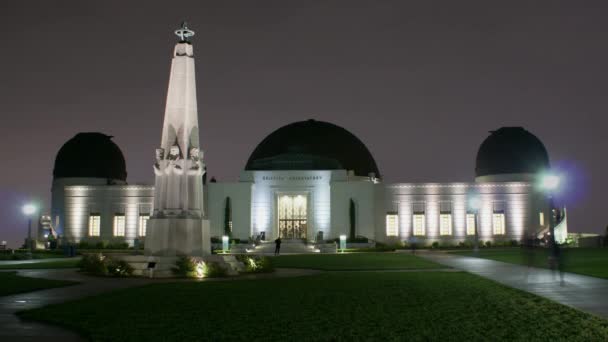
[(392, 224), (119, 225), (445, 224), (498, 223), (471, 223), (143, 224), (94, 224), (419, 226), (541, 218)]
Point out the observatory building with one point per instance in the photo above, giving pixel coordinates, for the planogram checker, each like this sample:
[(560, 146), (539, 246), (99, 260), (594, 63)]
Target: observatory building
[(309, 180)]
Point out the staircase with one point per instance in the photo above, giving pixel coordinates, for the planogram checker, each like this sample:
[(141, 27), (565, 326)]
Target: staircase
[(295, 246)]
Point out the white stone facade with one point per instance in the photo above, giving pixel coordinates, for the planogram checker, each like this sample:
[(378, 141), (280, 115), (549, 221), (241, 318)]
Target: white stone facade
[(254, 206)]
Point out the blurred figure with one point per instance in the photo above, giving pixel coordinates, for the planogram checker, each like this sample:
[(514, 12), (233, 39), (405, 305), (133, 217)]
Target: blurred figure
[(529, 249), (556, 259), (413, 242), (277, 249)]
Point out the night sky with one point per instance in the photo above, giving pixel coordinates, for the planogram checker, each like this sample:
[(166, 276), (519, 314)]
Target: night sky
[(420, 83)]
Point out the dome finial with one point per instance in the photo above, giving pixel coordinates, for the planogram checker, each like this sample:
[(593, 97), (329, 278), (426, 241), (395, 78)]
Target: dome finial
[(184, 33)]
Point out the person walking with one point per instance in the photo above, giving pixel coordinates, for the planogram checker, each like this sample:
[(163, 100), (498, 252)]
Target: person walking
[(277, 244)]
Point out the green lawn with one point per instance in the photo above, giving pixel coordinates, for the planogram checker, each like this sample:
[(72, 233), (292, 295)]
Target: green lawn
[(587, 261), (354, 261), (345, 306), (11, 283), (67, 263)]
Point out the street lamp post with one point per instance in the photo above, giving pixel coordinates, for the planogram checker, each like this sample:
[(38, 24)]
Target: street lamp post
[(549, 183), (29, 210)]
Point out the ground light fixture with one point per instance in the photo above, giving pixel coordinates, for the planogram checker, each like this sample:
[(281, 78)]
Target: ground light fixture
[(225, 244), (342, 242)]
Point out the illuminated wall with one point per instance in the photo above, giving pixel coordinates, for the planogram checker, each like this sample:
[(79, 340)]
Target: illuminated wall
[(267, 186), (514, 199), (107, 201)]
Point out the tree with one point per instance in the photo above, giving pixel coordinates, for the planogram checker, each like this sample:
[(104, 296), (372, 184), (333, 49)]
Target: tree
[(228, 218), (353, 223)]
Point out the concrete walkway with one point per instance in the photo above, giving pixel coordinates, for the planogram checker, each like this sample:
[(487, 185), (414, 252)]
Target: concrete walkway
[(34, 261), (585, 293), (14, 329)]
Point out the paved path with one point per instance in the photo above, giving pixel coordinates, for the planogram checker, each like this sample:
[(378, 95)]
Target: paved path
[(14, 329), (585, 293), (34, 261)]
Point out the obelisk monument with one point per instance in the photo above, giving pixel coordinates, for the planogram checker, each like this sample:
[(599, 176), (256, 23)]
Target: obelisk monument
[(178, 225)]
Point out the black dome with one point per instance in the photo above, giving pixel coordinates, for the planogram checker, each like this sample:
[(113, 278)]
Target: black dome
[(511, 150), (90, 155), (312, 145)]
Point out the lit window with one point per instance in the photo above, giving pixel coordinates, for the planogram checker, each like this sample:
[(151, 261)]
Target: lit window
[(419, 225), (445, 224), (541, 218), (471, 224), (94, 224), (392, 224), (143, 224), (498, 223), (119, 225)]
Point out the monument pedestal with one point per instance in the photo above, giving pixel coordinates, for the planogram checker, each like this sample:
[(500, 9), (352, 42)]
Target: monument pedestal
[(177, 236)]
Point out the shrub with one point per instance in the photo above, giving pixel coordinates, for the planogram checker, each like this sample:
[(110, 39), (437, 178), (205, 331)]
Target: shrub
[(214, 270), (256, 263), (215, 239), (185, 266), (101, 245), (84, 245), (93, 264), (117, 245), (466, 244), (435, 245), (118, 268), (488, 244), (514, 243)]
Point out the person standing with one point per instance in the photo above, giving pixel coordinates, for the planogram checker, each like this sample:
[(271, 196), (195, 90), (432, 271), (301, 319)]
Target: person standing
[(277, 248)]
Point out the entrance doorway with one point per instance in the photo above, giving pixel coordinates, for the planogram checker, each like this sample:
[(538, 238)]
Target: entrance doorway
[(292, 216)]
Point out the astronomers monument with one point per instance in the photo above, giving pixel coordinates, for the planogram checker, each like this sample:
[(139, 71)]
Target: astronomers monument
[(178, 225)]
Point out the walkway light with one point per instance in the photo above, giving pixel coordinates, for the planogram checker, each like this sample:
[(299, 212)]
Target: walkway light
[(549, 182), (29, 209)]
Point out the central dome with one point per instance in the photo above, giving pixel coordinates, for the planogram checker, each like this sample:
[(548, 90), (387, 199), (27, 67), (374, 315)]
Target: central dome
[(312, 145)]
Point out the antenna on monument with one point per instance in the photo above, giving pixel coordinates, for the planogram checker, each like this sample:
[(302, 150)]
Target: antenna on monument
[(184, 33)]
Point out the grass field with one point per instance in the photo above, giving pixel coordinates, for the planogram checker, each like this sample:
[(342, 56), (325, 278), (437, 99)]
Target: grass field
[(345, 306), (67, 263), (587, 261), (354, 261), (11, 283)]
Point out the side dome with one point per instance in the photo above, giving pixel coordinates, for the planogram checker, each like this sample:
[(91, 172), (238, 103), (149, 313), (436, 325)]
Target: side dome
[(312, 145), (511, 150), (90, 155)]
